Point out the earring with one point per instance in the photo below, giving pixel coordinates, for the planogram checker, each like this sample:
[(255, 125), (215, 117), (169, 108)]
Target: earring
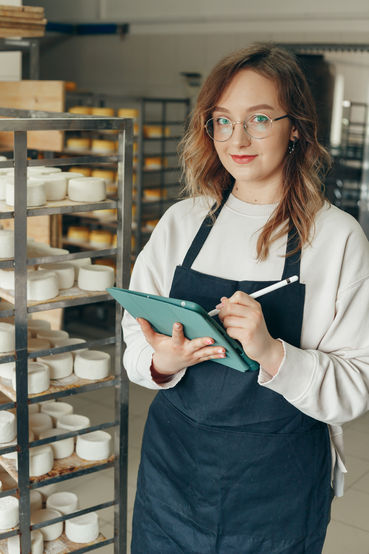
[(292, 146)]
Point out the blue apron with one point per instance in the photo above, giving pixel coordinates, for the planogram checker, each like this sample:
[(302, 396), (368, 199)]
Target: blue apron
[(228, 466)]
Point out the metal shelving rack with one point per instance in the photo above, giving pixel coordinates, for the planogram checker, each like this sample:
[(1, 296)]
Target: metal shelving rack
[(20, 122), (30, 49)]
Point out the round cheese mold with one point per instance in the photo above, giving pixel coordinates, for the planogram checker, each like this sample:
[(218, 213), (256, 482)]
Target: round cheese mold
[(37, 543), (38, 378), (60, 365), (92, 364), (96, 277), (6, 370), (39, 423), (82, 529), (87, 189), (8, 426), (33, 408), (35, 498), (77, 264), (7, 337), (36, 325), (61, 449), (6, 243), (56, 410), (41, 459), (56, 186), (7, 278), (73, 422), (42, 285), (94, 446), (52, 334), (64, 273), (64, 502), (36, 193), (38, 344), (9, 512), (53, 531)]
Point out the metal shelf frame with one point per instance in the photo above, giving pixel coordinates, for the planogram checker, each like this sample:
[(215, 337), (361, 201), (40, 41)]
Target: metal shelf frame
[(20, 122)]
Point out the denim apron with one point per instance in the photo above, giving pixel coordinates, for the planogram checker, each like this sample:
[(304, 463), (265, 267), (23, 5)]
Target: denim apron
[(228, 466)]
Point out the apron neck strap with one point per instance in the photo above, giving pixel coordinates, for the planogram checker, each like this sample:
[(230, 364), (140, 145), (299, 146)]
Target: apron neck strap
[(292, 262), (203, 233)]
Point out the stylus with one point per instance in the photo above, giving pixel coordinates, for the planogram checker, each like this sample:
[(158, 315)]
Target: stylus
[(265, 290)]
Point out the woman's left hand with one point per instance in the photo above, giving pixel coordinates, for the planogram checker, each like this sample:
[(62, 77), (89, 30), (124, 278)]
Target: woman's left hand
[(244, 321)]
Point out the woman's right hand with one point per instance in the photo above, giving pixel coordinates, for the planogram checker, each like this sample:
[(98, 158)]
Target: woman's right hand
[(171, 354)]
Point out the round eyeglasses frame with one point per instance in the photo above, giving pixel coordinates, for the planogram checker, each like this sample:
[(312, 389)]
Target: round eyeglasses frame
[(245, 126)]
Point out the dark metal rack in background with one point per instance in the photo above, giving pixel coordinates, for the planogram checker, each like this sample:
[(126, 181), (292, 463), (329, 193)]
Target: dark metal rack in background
[(20, 122)]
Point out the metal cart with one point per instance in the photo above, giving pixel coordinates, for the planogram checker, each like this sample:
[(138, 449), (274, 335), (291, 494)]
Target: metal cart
[(20, 122)]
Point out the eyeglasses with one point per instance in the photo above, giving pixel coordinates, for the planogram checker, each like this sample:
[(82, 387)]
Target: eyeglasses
[(257, 126)]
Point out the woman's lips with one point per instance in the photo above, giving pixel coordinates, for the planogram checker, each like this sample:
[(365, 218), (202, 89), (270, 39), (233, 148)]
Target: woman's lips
[(242, 159)]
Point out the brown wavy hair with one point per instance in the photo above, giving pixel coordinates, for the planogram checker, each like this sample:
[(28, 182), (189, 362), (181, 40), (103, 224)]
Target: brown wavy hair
[(302, 194)]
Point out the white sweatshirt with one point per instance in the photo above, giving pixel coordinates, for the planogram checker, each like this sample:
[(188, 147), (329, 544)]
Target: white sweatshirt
[(326, 378)]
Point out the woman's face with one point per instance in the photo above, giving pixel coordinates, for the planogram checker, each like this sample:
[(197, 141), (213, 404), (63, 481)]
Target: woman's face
[(255, 164)]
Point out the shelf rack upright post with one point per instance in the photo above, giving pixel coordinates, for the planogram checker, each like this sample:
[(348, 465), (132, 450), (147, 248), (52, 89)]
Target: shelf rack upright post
[(20, 122)]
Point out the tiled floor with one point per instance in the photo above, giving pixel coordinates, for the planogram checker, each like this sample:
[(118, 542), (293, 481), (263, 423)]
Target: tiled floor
[(348, 532)]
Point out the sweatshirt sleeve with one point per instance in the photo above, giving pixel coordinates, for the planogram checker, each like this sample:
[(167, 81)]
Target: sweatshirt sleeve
[(152, 277), (331, 383)]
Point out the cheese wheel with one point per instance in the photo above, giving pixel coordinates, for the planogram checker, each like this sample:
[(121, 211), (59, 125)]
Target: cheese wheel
[(37, 543), (100, 238), (128, 113), (38, 377), (102, 111), (53, 531), (83, 529), (42, 170), (155, 131), (95, 277), (6, 243), (60, 365), (3, 182), (94, 446), (42, 285), (103, 146), (79, 144), (52, 334), (78, 234), (35, 498), (38, 344), (35, 325), (155, 162), (41, 460), (7, 337), (82, 110), (71, 342), (11, 455), (8, 426), (73, 422), (39, 423), (9, 512), (64, 273), (61, 449), (152, 195), (86, 171), (56, 186), (92, 364), (56, 410), (6, 370), (87, 189), (64, 502), (7, 278), (106, 174), (36, 193)]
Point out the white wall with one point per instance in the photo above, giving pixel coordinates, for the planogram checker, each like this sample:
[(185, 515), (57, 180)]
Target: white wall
[(10, 62)]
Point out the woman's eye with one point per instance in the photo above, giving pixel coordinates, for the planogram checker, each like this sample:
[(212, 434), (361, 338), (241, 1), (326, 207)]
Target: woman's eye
[(259, 119), (221, 121)]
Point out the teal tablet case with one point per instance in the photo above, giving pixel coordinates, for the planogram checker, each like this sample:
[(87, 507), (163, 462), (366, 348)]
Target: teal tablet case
[(163, 312)]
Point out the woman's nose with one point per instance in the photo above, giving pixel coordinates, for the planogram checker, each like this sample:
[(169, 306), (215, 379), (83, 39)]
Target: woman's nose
[(239, 135)]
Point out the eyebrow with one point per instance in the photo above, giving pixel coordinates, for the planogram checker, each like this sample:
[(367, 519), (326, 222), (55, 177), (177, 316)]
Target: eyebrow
[(251, 109)]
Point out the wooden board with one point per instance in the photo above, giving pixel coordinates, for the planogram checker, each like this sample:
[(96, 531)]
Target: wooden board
[(58, 385), (21, 33), (32, 12), (57, 203), (8, 482), (61, 467), (59, 546), (34, 95), (68, 294)]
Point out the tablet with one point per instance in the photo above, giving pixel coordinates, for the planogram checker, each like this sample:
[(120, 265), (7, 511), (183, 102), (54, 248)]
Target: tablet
[(163, 312)]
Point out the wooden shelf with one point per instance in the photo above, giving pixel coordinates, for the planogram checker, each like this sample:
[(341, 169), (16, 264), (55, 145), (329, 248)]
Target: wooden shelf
[(59, 546)]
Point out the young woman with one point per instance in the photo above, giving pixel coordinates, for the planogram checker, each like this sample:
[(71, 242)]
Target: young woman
[(244, 463)]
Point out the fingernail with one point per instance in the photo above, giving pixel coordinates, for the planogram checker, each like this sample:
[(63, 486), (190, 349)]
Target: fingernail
[(218, 306), (177, 325), (221, 350), (210, 341)]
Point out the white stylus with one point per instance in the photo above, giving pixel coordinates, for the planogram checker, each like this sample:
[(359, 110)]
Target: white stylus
[(261, 292)]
